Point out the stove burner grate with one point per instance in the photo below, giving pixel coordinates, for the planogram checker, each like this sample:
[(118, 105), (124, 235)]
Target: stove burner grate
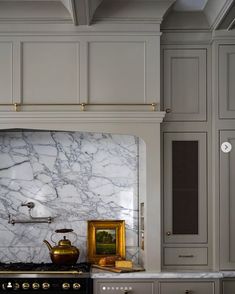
[(45, 267)]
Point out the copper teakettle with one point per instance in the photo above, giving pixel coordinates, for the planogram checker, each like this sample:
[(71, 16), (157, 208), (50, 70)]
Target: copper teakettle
[(64, 252)]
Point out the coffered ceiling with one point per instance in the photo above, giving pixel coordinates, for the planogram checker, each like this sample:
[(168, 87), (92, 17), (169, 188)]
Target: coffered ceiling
[(211, 14)]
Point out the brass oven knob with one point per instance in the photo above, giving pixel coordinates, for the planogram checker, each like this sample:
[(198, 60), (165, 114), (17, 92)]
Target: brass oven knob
[(35, 286), (76, 286), (16, 286), (65, 286), (45, 286), (25, 286)]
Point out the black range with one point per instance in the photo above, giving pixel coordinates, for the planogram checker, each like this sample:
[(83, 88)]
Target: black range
[(45, 278)]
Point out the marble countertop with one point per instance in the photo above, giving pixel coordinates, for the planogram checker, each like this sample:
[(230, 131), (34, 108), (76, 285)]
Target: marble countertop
[(101, 274)]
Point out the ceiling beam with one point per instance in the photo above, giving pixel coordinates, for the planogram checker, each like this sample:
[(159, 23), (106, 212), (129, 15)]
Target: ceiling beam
[(215, 11), (228, 22)]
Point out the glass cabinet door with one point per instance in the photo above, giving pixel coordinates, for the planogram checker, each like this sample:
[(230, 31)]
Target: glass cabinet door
[(185, 188)]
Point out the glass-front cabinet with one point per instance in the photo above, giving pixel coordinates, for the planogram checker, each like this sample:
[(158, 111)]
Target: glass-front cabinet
[(185, 198)]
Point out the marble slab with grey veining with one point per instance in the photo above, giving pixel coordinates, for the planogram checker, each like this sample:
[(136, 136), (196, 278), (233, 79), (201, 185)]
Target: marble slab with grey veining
[(228, 274), (71, 176), (100, 274)]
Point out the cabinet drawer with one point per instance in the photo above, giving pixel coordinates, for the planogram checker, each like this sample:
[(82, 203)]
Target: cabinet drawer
[(186, 288), (185, 256), (125, 287)]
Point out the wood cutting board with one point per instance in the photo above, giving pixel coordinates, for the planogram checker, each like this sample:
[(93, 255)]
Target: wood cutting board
[(119, 269)]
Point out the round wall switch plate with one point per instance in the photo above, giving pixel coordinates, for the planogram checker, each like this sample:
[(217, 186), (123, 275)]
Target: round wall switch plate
[(226, 147)]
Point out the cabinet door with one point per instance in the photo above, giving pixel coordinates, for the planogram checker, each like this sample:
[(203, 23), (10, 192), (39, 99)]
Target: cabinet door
[(226, 81), (185, 84), (6, 73), (228, 287), (121, 287), (185, 188), (187, 288), (227, 202)]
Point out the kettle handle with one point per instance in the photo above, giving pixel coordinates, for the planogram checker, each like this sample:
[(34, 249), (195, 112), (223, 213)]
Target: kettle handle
[(63, 231)]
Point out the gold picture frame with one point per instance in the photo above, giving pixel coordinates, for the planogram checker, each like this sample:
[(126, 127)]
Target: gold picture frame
[(106, 238)]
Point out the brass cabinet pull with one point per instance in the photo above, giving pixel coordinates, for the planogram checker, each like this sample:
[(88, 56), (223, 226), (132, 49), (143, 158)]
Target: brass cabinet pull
[(168, 110), (168, 233), (186, 256), (16, 107)]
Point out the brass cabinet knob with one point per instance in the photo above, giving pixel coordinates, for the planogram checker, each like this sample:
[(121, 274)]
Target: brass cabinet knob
[(35, 286), (168, 233), (76, 286), (45, 286), (65, 286), (25, 286), (168, 110)]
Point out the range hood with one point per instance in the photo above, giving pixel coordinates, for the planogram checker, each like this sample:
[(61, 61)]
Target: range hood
[(145, 125)]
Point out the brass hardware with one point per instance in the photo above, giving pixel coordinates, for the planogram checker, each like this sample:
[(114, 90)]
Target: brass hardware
[(25, 286), (125, 291), (16, 286), (168, 110), (76, 286), (168, 233), (187, 291), (45, 286), (186, 256), (35, 286), (41, 272), (83, 106), (16, 107), (65, 286), (31, 219)]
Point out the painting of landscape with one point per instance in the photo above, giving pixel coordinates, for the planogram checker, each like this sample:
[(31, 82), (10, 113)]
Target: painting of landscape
[(105, 241)]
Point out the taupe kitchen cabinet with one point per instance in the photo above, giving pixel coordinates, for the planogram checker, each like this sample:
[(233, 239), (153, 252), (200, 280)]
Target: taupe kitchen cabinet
[(6, 73), (189, 287), (226, 85), (185, 188), (228, 286), (185, 199), (124, 286), (227, 202), (184, 87)]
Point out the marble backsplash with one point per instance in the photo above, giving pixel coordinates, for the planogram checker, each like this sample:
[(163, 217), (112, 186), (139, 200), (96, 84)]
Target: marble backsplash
[(71, 176)]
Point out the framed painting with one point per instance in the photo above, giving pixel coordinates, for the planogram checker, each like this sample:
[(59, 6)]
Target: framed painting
[(106, 238)]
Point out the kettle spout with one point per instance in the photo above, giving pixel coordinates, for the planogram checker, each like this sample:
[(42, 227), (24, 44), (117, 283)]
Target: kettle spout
[(48, 244)]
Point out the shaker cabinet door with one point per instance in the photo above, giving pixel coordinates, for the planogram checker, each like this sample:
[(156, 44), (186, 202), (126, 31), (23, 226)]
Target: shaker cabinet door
[(226, 85), (228, 287), (184, 88), (227, 201), (185, 188)]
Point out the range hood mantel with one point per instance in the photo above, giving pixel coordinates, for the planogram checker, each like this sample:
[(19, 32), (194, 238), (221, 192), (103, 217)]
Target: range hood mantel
[(145, 125)]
